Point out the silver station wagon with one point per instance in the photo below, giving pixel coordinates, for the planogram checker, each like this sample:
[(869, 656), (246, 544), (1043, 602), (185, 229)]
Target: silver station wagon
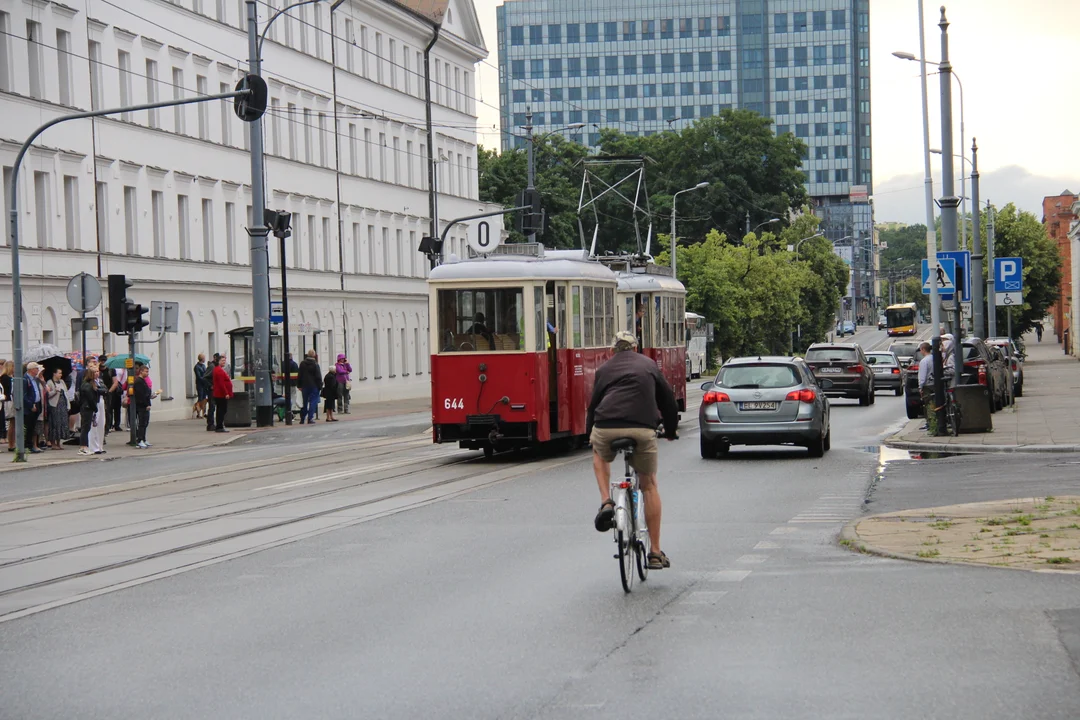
[(764, 401)]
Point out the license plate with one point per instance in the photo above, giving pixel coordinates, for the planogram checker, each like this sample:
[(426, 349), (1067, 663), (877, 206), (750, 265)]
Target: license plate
[(884, 371), (757, 406), (830, 370)]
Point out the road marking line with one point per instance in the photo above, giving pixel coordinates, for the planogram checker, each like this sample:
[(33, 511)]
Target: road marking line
[(752, 559), (783, 530), (727, 576), (704, 597), (767, 545)]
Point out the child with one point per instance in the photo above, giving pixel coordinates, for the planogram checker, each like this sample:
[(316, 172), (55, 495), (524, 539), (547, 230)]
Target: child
[(330, 394)]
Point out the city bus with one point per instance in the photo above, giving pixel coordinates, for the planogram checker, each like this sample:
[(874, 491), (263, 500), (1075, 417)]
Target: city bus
[(901, 319), (697, 336)]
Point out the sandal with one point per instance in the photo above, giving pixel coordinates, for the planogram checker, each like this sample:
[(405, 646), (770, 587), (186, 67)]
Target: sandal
[(605, 518), (658, 561)]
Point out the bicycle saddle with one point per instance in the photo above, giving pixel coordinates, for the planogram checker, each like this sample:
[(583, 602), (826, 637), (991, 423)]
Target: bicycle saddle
[(624, 444)]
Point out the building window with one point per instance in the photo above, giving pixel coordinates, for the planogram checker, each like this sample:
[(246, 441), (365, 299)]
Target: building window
[(611, 31), (558, 117), (841, 175), (556, 94), (555, 68), (517, 35), (821, 152), (723, 87), (705, 87), (631, 114), (36, 57), (667, 89), (519, 96), (821, 82), (517, 68), (783, 107), (799, 22), (704, 27), (536, 34), (204, 112), (840, 128), (575, 116), (839, 54), (802, 107), (124, 67), (751, 24), (821, 129), (594, 116), (821, 176), (573, 67), (648, 90), (183, 224), (611, 65), (864, 22), (131, 221), (687, 112), (802, 83), (612, 92), (723, 60), (5, 57), (781, 129), (780, 57), (753, 85), (839, 81), (686, 62), (753, 59), (819, 21), (101, 210), (686, 88), (157, 220), (592, 66), (649, 114), (864, 56), (629, 64), (669, 113), (723, 25), (612, 116), (573, 93), (573, 33), (208, 230), (840, 105), (593, 93), (667, 63), (667, 29), (536, 68), (630, 92), (781, 84), (554, 34), (802, 130), (839, 19), (821, 55), (821, 105), (800, 57), (592, 32), (840, 152), (648, 64), (780, 23), (230, 233), (648, 29)]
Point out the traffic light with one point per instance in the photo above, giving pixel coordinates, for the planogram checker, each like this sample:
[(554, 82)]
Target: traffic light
[(133, 316), (531, 220), (118, 285)]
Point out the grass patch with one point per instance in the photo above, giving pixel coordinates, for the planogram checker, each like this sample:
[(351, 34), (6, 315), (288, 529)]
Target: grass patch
[(1009, 532), (942, 525), (932, 553), (997, 521), (1058, 561)]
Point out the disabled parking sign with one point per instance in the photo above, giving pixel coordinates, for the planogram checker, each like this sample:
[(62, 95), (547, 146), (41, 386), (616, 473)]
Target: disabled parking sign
[(1009, 281)]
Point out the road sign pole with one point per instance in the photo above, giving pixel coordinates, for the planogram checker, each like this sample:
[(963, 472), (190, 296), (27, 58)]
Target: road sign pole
[(1008, 314), (991, 298)]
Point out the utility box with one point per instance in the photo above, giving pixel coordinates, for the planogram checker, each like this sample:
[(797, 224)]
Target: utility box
[(974, 402), (238, 413)]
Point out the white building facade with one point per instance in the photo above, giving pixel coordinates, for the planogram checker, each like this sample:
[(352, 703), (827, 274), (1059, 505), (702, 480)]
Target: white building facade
[(164, 196)]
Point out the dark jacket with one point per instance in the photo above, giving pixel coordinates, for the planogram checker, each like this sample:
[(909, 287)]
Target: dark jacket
[(142, 393), (330, 386), (309, 375), (630, 391), (89, 392), (202, 378)]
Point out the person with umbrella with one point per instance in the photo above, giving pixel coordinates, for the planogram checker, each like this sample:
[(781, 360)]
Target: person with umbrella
[(57, 422)]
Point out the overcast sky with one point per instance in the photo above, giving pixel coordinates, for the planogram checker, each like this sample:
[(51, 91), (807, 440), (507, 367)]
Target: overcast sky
[(1018, 64)]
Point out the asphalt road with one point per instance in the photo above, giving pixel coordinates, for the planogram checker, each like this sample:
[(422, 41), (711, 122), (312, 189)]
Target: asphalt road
[(479, 589)]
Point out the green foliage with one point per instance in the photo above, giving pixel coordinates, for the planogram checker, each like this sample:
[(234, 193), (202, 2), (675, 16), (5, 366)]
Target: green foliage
[(757, 293), (1020, 234), (906, 248)]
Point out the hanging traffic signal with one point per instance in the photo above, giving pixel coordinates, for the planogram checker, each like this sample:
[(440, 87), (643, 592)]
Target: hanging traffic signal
[(133, 317), (118, 285)]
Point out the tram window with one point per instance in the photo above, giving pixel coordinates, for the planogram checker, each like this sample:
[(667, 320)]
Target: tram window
[(657, 323), (609, 315), (630, 324), (560, 315), (681, 313), (540, 319), (590, 335), (575, 311), (490, 319)]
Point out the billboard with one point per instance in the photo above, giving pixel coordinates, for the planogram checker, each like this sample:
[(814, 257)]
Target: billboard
[(858, 194), (434, 10)]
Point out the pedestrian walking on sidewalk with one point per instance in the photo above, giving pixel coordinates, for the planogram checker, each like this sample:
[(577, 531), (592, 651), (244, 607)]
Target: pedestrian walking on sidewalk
[(926, 388), (202, 387), (310, 380), (56, 390), (222, 390), (1039, 330), (144, 393), (330, 395), (344, 380)]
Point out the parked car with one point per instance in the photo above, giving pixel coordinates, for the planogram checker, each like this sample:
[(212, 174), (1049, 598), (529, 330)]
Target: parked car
[(764, 401), (845, 327), (888, 374), (1009, 347), (881, 322), (905, 352), (913, 403), (846, 366)]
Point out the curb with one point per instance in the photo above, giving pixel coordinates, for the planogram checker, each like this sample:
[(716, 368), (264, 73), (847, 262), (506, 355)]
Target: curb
[(975, 449), (858, 545)]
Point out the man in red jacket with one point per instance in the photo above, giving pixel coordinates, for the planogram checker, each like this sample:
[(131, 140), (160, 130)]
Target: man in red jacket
[(222, 391)]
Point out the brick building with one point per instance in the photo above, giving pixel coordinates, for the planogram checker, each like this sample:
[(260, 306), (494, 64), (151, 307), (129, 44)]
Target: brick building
[(1058, 217)]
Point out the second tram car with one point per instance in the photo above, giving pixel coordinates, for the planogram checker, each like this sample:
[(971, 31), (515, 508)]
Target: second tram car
[(517, 337)]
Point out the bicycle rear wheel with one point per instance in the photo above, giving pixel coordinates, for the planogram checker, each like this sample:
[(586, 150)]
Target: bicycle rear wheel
[(954, 418), (626, 560)]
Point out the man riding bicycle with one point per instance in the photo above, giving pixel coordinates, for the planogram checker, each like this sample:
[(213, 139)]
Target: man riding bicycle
[(630, 396)]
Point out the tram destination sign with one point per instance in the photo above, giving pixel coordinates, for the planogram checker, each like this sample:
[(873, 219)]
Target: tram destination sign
[(482, 240)]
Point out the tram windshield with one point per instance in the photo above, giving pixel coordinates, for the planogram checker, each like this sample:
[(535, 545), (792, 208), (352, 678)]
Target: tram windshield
[(489, 319)]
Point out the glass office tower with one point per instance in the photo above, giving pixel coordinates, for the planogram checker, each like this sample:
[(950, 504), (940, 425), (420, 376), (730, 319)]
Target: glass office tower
[(643, 67)]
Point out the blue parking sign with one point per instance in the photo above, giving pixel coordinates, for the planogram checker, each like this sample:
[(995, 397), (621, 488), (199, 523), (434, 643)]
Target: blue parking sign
[(1008, 274)]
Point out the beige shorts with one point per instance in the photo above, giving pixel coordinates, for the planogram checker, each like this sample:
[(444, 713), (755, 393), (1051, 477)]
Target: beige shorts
[(645, 457)]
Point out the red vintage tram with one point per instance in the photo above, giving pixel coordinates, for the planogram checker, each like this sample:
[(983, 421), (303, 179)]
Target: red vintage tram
[(500, 378)]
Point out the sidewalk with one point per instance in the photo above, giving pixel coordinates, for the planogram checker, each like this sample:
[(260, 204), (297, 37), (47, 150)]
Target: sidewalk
[(181, 435), (1045, 419)]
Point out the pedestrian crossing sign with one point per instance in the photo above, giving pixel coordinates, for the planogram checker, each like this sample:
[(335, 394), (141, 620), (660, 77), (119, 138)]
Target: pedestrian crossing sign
[(944, 276)]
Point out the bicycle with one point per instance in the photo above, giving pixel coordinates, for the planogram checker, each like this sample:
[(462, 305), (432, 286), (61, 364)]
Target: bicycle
[(632, 543), (952, 412)]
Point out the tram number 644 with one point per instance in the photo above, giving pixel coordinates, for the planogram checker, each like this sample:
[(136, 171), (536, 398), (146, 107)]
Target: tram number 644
[(454, 404)]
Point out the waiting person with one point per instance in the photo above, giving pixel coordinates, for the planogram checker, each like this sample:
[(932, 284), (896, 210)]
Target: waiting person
[(144, 393), (211, 404), (44, 416), (330, 395), (100, 419), (343, 370), (202, 387), (926, 388), (310, 380), (222, 390), (88, 396), (56, 390), (7, 375), (33, 403)]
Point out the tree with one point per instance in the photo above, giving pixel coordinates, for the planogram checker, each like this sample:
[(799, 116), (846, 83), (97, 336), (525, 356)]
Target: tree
[(1020, 234), (906, 248)]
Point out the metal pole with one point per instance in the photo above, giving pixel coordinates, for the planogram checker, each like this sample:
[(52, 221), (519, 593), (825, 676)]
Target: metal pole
[(747, 222), (978, 325), (963, 172), (949, 201), (1008, 315), (433, 227), (991, 298), (260, 261), (285, 370), (673, 244), (129, 365), (531, 237), (928, 183), (82, 317)]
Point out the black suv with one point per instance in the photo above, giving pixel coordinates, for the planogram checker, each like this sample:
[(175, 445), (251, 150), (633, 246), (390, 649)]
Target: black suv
[(846, 366), (982, 366)]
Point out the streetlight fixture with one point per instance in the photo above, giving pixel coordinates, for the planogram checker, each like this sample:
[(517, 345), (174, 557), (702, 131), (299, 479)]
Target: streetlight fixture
[(530, 189), (770, 221), (674, 197), (928, 182), (797, 245)]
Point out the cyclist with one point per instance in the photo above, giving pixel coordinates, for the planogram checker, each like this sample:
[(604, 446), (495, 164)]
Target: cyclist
[(630, 396)]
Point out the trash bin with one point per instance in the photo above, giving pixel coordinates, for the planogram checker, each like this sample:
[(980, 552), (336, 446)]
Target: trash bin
[(238, 413), (974, 402)]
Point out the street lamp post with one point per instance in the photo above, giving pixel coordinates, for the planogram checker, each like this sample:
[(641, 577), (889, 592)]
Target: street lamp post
[(699, 186), (531, 185), (258, 232), (799, 244), (770, 221)]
